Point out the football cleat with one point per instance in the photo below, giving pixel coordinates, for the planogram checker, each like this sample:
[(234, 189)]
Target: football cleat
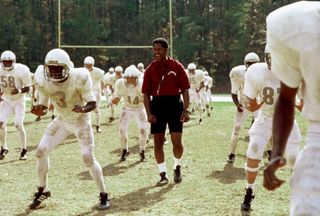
[(23, 154), (52, 117), (104, 201), (3, 153), (268, 154), (124, 155), (177, 174), (39, 197), (246, 205), (200, 121), (231, 158), (111, 119), (208, 114), (38, 118), (142, 156), (163, 179), (98, 129)]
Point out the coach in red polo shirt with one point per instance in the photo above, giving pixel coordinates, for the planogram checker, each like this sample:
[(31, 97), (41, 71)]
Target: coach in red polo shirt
[(165, 80)]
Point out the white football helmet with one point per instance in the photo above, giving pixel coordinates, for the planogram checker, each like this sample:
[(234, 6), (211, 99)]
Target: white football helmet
[(131, 75), (111, 70), (118, 70), (57, 65), (89, 60), (206, 73), (250, 59), (10, 58), (140, 66), (192, 66)]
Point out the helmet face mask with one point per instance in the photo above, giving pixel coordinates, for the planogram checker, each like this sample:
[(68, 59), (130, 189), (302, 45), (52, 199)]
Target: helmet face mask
[(131, 81), (8, 59), (57, 65)]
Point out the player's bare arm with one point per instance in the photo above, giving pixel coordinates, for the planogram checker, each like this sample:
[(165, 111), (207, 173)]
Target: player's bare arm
[(282, 125), (20, 91), (236, 102)]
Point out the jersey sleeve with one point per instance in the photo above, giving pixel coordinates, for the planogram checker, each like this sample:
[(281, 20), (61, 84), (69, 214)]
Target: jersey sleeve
[(235, 81), (85, 87), (25, 76), (250, 85), (119, 88)]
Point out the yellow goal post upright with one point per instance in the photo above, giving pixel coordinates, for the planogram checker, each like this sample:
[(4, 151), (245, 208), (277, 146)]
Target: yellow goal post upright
[(113, 47)]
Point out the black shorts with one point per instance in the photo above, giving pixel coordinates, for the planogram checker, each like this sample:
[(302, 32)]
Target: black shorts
[(168, 110)]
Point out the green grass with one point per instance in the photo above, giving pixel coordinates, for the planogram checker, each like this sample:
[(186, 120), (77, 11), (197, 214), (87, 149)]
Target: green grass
[(209, 186)]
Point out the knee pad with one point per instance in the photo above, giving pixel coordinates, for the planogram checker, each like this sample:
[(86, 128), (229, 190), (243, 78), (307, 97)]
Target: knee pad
[(87, 158), (19, 126), (255, 148), (41, 152)]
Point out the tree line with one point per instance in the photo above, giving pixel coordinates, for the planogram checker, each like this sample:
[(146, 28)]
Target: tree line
[(214, 34)]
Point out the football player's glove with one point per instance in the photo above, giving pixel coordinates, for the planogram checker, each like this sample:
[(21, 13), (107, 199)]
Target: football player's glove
[(39, 110)]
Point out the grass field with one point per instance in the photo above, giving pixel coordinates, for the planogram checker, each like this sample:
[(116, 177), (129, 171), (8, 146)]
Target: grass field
[(209, 186)]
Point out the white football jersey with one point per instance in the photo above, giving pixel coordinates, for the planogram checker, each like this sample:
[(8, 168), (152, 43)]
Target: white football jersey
[(110, 79), (208, 81), (196, 78), (19, 77), (133, 96), (261, 83), (237, 80), (294, 39), (76, 90), (97, 76)]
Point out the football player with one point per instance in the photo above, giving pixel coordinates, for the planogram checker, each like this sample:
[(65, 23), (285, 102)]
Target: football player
[(237, 82), (208, 94), (260, 82), (293, 35), (140, 67), (197, 89), (70, 90), (15, 83), (97, 77), (129, 89)]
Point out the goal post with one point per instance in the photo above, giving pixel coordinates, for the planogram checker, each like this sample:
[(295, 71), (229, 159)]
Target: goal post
[(113, 47)]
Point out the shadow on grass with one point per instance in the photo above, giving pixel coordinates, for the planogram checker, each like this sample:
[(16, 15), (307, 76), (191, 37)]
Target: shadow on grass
[(113, 169), (229, 174), (133, 201)]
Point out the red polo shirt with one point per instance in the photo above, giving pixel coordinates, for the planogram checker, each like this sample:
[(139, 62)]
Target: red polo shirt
[(165, 78)]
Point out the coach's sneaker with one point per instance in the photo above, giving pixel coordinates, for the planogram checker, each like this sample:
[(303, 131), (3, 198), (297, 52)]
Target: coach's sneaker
[(231, 158), (98, 129), (163, 179), (23, 154), (104, 201), (246, 205), (3, 153), (177, 174), (39, 197), (124, 155), (142, 156)]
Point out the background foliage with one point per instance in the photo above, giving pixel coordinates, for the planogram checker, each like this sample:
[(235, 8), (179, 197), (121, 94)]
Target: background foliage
[(215, 34)]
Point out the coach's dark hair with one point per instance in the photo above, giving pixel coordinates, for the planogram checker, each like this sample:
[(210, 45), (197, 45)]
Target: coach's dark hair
[(161, 41)]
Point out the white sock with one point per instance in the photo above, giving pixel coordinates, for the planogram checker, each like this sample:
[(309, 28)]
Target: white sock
[(250, 186), (162, 167), (177, 162)]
